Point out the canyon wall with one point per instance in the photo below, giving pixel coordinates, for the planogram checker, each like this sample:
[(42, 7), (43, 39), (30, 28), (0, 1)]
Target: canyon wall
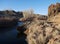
[(53, 9)]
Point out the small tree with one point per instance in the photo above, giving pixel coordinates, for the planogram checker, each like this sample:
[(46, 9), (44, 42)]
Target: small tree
[(28, 13)]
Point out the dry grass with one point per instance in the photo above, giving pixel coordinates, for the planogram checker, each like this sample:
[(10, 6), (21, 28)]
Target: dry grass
[(40, 31), (43, 33)]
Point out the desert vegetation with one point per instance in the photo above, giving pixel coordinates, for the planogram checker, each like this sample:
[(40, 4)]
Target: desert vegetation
[(41, 29), (43, 33)]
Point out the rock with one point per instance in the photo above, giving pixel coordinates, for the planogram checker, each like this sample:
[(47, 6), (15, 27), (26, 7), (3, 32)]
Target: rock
[(58, 26), (22, 19), (55, 19), (21, 29), (51, 41), (53, 9), (38, 34), (41, 29), (55, 40)]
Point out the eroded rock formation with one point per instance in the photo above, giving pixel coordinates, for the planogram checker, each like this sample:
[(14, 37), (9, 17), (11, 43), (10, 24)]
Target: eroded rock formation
[(53, 9)]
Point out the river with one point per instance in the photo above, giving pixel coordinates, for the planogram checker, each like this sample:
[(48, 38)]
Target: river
[(11, 36)]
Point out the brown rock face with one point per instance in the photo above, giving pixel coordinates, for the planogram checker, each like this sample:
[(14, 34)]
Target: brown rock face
[(53, 9), (43, 33), (43, 29), (55, 18)]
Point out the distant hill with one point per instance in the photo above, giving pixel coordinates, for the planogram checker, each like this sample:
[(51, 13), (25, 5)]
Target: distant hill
[(54, 13), (11, 13)]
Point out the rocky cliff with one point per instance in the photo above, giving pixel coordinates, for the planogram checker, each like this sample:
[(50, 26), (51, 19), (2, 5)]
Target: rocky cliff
[(44, 31), (53, 9), (54, 13)]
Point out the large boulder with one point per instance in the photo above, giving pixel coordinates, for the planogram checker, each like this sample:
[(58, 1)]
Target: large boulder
[(43, 33), (53, 9)]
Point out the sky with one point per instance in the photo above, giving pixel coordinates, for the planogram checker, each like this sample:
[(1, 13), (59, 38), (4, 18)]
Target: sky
[(39, 6)]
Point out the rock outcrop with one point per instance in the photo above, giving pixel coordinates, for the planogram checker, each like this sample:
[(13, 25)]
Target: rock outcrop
[(35, 17), (43, 33), (54, 13), (53, 9), (48, 31), (55, 18), (44, 29)]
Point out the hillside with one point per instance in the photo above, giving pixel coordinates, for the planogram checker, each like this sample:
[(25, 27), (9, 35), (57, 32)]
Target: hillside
[(11, 13), (43, 31)]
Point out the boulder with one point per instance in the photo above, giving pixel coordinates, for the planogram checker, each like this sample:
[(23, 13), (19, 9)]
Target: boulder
[(21, 29), (55, 18), (53, 9), (43, 33)]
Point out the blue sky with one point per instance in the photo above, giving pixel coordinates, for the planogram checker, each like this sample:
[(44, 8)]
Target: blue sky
[(39, 6)]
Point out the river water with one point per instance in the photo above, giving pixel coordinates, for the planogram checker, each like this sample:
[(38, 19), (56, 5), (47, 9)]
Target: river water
[(11, 36)]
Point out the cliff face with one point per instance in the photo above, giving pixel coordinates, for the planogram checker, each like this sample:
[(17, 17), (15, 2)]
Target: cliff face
[(40, 31), (53, 9), (43, 32), (54, 13), (55, 18)]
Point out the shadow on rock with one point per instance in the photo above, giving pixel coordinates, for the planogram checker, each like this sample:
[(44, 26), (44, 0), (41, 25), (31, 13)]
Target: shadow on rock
[(21, 35), (21, 30)]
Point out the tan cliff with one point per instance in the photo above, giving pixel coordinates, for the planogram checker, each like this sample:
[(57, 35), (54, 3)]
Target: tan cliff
[(54, 13), (53, 9)]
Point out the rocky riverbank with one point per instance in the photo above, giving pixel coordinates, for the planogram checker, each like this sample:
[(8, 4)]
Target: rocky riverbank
[(9, 18), (43, 29), (41, 32), (37, 29)]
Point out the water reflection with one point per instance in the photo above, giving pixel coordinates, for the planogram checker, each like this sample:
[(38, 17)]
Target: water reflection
[(11, 36)]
